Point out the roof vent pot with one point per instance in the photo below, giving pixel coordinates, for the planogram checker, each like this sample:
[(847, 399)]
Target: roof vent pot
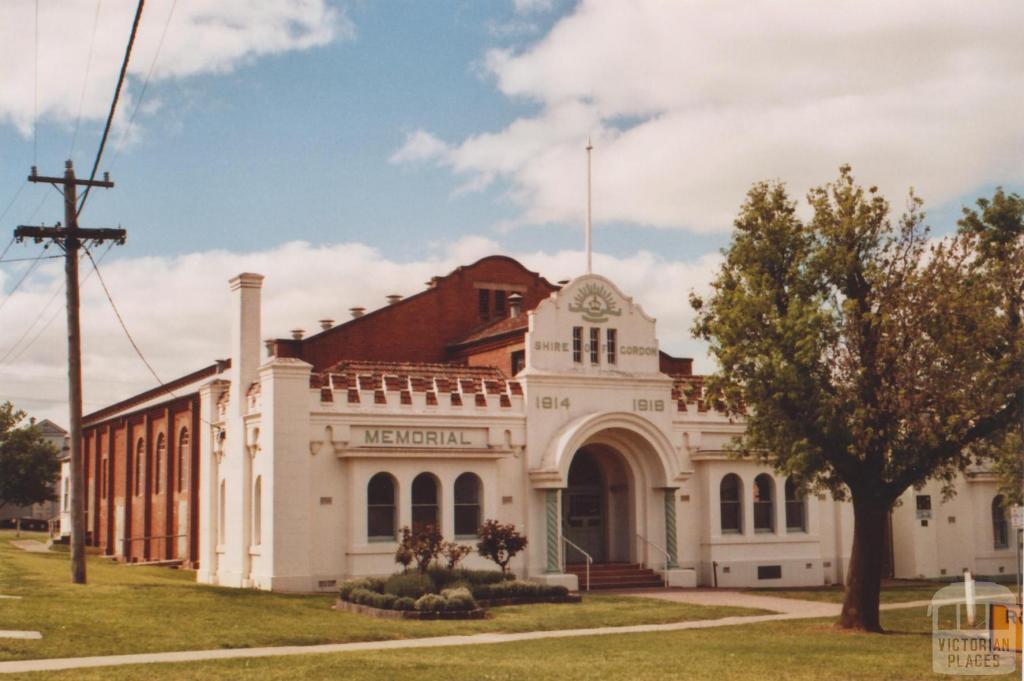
[(563, 282), (269, 344), (357, 311), (297, 334), (326, 324), (393, 298), (515, 304)]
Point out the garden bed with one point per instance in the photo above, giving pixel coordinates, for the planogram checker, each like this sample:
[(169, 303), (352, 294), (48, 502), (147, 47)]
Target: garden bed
[(474, 614)]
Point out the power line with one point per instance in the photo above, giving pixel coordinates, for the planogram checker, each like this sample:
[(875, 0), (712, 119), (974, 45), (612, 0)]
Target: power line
[(57, 291), (85, 80), (113, 103), (11, 204), (49, 257), (35, 93), (145, 84), (7, 247), (120, 320), (24, 276)]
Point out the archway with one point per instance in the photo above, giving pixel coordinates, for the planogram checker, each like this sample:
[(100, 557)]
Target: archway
[(598, 506)]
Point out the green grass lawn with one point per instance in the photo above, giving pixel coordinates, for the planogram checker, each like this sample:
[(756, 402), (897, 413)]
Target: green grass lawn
[(893, 591), (146, 609), (803, 650)]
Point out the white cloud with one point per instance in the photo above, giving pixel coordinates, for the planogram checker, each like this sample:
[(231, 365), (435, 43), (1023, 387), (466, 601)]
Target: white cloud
[(420, 145), (690, 103), (203, 36), (176, 308), (529, 6)]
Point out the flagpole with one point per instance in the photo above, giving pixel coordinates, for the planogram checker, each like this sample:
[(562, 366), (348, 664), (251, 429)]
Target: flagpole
[(590, 147)]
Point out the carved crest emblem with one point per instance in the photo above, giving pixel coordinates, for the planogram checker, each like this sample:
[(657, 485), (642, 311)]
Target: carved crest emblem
[(595, 303)]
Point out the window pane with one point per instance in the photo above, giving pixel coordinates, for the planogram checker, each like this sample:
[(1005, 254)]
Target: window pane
[(595, 345), (423, 515), (577, 344), (730, 516), (381, 522), (612, 344), (381, 491), (424, 490), (485, 304), (467, 489), (467, 519)]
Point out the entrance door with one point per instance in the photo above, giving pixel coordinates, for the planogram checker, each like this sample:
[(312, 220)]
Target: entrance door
[(584, 510)]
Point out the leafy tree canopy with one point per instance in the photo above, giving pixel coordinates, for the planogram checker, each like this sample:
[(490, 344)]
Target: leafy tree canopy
[(865, 355), (28, 464)]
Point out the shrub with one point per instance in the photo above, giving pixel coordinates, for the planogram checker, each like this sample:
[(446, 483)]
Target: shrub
[(423, 544), (384, 601), (375, 584), (484, 576), (410, 584), (499, 542), (515, 589), (404, 603), (362, 596), (459, 599), (430, 603), (454, 553)]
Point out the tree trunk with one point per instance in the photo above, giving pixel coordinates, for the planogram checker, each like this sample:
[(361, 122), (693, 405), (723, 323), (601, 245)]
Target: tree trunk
[(17, 526), (864, 578)]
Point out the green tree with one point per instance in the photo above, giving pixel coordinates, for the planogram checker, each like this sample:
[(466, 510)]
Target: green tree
[(28, 464), (865, 357)]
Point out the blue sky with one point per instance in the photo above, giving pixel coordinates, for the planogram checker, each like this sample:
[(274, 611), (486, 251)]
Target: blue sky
[(353, 149)]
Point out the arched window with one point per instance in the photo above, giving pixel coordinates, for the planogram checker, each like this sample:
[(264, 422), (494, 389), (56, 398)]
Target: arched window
[(1000, 534), (257, 511), (796, 508), (221, 511), (467, 505), (764, 503), (732, 504), (184, 452), (380, 507), (140, 449), (161, 450), (424, 501)]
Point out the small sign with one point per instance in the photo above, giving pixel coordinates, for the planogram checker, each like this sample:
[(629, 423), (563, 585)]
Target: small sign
[(1017, 517)]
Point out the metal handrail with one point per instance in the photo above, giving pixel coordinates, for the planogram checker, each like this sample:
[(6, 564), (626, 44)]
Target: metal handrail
[(586, 555), (668, 558)]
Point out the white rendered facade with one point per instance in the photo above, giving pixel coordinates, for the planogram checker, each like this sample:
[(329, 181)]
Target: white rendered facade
[(285, 469)]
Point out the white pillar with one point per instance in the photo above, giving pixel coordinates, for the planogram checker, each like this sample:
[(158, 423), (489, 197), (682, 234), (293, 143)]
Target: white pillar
[(209, 475), (285, 464)]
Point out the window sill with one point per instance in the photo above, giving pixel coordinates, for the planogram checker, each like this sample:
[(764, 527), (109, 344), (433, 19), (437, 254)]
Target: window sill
[(381, 540)]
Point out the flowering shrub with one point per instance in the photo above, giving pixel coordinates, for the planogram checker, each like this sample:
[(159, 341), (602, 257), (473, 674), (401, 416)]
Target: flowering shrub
[(499, 542)]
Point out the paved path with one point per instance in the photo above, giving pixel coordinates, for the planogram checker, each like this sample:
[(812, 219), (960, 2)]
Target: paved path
[(9, 633), (789, 609), (31, 545)]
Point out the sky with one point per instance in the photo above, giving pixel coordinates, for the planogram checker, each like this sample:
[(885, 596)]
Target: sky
[(349, 150)]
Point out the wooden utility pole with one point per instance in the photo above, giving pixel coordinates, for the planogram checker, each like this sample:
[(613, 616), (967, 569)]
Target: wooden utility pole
[(70, 237)]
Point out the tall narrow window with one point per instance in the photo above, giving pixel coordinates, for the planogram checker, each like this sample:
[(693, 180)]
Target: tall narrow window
[(595, 345), (467, 505), (764, 504), (161, 450), (731, 503), (577, 344), (499, 303), (67, 496), (140, 448), (184, 454), (221, 511), (612, 344), (796, 509), (424, 501), (1000, 535), (380, 508), (257, 511), (485, 303)]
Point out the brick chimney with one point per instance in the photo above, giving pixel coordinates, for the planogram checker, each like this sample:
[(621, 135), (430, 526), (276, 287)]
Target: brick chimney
[(245, 336)]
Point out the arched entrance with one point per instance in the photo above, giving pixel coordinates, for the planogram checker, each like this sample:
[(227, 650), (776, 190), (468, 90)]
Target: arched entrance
[(597, 506)]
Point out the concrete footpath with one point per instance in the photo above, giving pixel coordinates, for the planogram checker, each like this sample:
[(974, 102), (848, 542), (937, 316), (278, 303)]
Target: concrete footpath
[(784, 609)]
